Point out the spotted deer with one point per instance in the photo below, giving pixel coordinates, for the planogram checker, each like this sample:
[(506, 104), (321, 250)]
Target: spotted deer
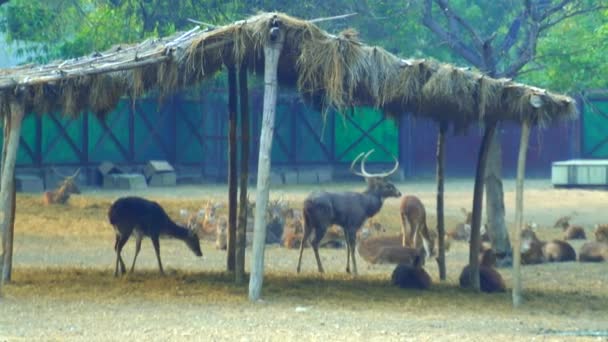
[(62, 193), (349, 210), (413, 213)]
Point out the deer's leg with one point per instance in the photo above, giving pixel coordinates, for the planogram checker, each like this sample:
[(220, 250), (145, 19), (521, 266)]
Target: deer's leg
[(426, 240), (347, 251), (137, 248), (404, 230), (121, 240), (351, 242), (307, 231), (156, 244), (413, 235), (315, 247)]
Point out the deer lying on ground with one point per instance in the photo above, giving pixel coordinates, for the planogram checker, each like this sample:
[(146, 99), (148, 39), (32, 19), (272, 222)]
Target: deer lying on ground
[(601, 233), (462, 231), (62, 193), (411, 276), (593, 251), (349, 210), (412, 212), (386, 249), (574, 233), (489, 279), (145, 218), (596, 251), (535, 251)]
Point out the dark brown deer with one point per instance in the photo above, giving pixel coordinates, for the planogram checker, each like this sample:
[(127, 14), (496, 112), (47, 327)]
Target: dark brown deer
[(145, 218), (412, 212), (489, 279), (62, 193), (348, 210), (411, 276)]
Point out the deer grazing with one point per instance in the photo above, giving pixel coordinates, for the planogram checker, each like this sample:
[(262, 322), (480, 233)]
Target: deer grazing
[(412, 212), (62, 193), (411, 276), (145, 218), (348, 210), (535, 251), (489, 279)]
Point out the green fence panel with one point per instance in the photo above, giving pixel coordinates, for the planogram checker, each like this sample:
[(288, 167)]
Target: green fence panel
[(347, 133), (101, 146), (595, 129)]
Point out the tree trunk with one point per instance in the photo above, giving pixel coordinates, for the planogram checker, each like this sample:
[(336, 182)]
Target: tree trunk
[(232, 172), (7, 183), (272, 52), (519, 212), (443, 127), (477, 204), (241, 233), (497, 229)]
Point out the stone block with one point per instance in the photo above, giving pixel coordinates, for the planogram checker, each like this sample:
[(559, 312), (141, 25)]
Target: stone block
[(125, 181), (28, 183)]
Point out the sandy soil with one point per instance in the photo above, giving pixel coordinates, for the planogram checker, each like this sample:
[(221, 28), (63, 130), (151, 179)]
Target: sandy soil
[(132, 316)]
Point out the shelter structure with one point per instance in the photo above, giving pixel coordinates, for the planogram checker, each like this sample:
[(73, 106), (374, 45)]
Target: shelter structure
[(328, 70)]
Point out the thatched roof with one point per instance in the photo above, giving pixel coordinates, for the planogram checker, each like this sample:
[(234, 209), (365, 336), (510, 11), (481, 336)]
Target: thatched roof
[(335, 71)]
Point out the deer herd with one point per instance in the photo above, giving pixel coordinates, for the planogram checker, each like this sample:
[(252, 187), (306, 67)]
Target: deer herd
[(336, 220)]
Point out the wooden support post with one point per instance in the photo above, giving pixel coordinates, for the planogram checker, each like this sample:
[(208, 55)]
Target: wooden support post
[(7, 184), (241, 233), (272, 52), (443, 127), (232, 172), (519, 212), (475, 242)]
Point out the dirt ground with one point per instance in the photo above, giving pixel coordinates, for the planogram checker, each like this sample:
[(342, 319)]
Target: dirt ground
[(63, 288)]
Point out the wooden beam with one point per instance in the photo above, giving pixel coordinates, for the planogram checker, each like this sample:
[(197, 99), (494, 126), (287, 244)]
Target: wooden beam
[(443, 127), (232, 172), (272, 52), (7, 183), (475, 242), (241, 232), (519, 212)]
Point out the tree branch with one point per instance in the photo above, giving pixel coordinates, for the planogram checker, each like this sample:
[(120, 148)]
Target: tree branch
[(552, 23), (526, 53), (453, 42), (549, 12), (451, 14)]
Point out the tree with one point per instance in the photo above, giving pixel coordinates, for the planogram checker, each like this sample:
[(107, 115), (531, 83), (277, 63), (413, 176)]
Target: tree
[(500, 45)]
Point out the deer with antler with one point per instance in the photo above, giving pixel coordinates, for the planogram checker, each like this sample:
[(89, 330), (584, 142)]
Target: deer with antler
[(349, 210), (62, 193)]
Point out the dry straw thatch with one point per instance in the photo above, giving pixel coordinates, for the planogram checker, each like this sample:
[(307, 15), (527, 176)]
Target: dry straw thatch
[(330, 70)]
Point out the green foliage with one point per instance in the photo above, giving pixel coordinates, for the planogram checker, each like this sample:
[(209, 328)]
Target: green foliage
[(573, 55)]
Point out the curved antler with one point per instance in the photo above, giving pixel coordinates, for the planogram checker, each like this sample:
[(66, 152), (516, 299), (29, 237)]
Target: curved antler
[(352, 165), (381, 174)]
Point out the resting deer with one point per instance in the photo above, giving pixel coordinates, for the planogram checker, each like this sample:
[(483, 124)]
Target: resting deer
[(386, 249), (348, 210), (601, 232), (62, 193), (535, 251), (462, 231), (145, 218), (412, 212), (489, 279), (411, 276), (596, 251)]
